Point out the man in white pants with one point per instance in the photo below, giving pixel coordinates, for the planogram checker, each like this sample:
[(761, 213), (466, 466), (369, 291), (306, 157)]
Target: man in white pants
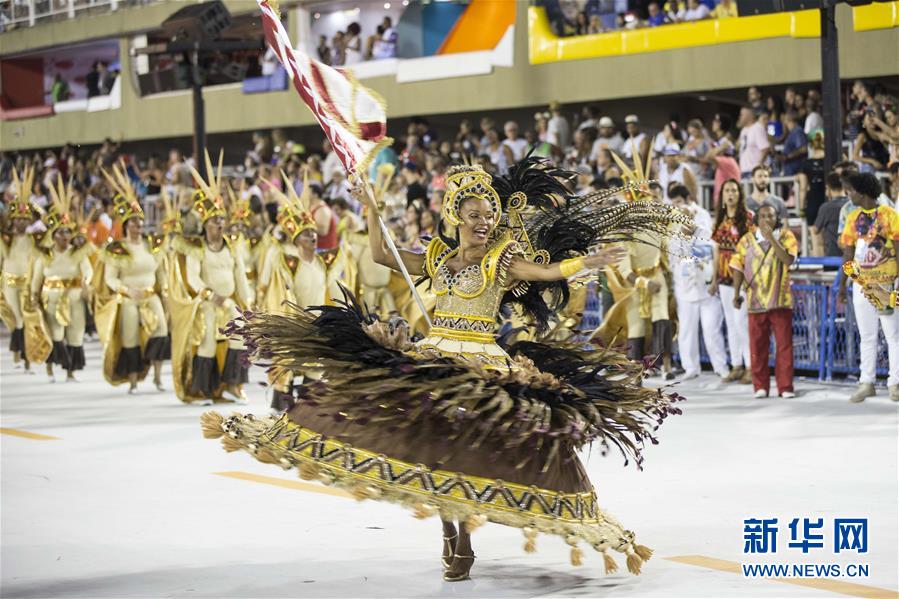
[(693, 269), (870, 238)]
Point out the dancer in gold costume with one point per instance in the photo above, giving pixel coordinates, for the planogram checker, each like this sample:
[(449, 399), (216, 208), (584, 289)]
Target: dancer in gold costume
[(60, 283), (457, 424), (131, 321), (207, 285), (17, 253)]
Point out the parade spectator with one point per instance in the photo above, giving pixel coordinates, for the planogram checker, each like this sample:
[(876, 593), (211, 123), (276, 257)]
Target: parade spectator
[(795, 145), (870, 239), (656, 15), (726, 9), (324, 50), (512, 141), (693, 271), (761, 193), (558, 132), (811, 180), (635, 139), (825, 231), (606, 139), (60, 91), (754, 146), (352, 45), (761, 261), (674, 170), (732, 221), (92, 80)]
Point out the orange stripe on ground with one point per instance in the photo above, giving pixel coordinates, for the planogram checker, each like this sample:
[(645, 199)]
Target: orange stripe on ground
[(823, 584), (14, 432), (287, 484)]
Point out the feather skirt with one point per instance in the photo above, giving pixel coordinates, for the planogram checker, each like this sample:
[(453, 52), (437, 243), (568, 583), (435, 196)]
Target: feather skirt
[(445, 434)]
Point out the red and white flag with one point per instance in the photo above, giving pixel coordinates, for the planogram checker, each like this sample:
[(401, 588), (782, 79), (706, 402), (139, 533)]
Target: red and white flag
[(353, 117)]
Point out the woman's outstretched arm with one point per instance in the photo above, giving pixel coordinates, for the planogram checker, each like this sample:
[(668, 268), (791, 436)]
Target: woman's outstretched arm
[(524, 270)]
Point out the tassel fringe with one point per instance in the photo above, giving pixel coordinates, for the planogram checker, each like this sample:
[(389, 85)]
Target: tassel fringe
[(266, 457), (634, 563), (308, 471), (577, 556), (231, 444), (475, 521), (424, 510), (609, 562), (363, 492), (211, 423), (643, 551), (530, 535)]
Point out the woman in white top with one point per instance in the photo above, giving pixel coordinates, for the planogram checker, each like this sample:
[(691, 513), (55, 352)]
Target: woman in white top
[(352, 42)]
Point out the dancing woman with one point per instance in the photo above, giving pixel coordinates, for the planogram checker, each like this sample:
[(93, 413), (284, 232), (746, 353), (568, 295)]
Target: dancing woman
[(17, 252), (457, 424), (60, 283), (132, 323)]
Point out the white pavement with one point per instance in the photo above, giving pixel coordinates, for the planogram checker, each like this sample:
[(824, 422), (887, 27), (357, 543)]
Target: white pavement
[(125, 503)]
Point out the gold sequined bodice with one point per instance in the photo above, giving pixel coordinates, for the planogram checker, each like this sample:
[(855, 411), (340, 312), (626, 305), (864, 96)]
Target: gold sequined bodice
[(468, 301)]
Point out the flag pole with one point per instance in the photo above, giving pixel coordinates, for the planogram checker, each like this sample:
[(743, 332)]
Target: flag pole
[(396, 255)]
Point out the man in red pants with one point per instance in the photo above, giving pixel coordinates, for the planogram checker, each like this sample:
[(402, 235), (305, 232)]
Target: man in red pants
[(762, 260)]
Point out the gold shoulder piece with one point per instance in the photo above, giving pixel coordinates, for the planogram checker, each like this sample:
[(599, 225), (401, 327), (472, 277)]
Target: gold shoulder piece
[(115, 252), (498, 258), (85, 250), (156, 242), (188, 246), (436, 249), (292, 263)]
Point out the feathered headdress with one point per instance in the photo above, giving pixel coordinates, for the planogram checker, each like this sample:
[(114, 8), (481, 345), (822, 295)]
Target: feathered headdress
[(125, 203), (208, 201), (60, 214), (238, 207), (171, 217), (20, 207), (295, 216), (550, 224)]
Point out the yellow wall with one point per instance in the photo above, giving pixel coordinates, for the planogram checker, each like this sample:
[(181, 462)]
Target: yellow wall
[(776, 61)]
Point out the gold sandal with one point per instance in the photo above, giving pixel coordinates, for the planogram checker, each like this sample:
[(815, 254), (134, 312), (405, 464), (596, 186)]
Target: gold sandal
[(447, 559), (462, 575)]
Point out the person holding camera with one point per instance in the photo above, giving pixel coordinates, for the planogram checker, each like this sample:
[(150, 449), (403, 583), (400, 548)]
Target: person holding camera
[(762, 261)]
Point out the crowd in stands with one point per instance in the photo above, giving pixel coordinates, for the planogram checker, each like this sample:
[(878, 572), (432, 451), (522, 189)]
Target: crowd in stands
[(585, 17), (774, 135), (352, 46)]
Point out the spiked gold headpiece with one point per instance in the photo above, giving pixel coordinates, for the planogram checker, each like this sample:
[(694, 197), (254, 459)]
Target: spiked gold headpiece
[(125, 203), (208, 202), (294, 216), (20, 207)]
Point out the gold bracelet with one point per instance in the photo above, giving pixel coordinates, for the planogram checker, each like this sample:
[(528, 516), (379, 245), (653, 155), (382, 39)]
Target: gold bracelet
[(571, 266), (893, 299)]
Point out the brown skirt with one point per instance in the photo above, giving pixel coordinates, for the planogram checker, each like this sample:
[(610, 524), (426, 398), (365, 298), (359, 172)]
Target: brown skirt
[(521, 465)]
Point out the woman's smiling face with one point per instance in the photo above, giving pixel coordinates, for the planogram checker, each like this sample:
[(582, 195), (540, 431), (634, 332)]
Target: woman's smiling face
[(478, 221)]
